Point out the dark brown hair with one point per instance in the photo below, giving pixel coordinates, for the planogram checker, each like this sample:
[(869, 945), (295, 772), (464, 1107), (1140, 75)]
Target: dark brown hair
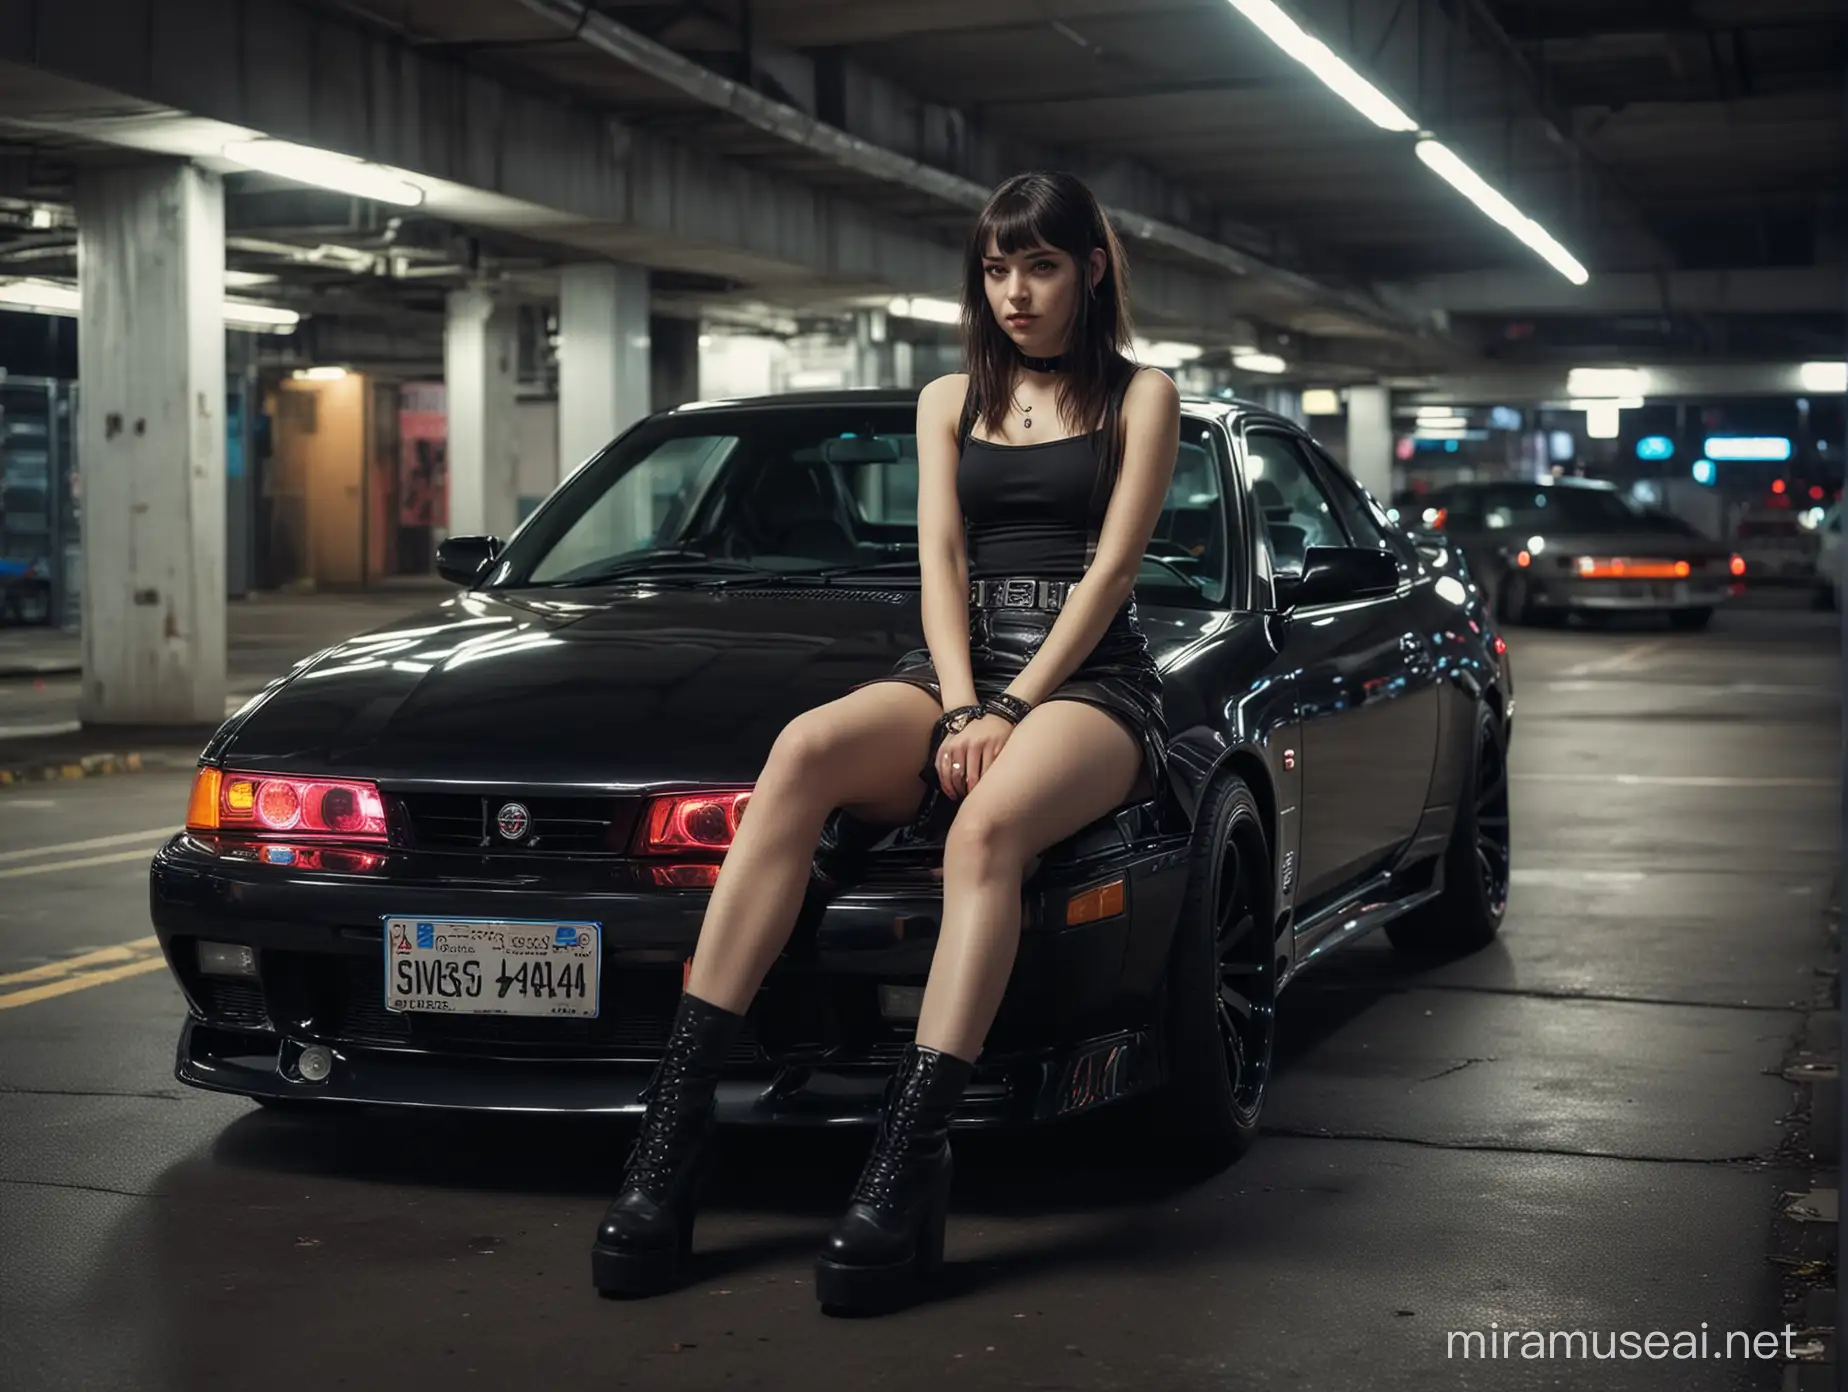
[(1051, 209)]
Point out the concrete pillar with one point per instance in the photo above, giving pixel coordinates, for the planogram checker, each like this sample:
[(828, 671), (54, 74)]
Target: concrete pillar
[(151, 444), (603, 357), (480, 362), (673, 362), (1369, 440)]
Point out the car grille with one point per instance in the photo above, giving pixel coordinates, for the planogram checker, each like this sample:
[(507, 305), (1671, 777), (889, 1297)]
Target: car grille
[(235, 1003), (346, 1000), (558, 825), (830, 593)]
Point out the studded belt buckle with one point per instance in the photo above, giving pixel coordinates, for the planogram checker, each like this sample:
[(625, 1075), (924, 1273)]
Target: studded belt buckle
[(1019, 594)]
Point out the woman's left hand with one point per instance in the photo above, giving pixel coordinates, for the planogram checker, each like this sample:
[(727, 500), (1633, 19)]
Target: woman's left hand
[(964, 757)]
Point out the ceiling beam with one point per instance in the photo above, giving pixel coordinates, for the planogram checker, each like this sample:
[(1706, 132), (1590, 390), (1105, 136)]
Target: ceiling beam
[(873, 161)]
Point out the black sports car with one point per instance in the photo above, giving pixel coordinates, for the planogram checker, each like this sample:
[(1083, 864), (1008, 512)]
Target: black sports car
[(461, 861)]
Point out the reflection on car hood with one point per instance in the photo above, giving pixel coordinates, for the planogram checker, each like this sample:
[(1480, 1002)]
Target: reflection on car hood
[(634, 687)]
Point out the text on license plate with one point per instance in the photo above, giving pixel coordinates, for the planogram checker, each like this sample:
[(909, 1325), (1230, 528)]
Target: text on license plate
[(472, 966)]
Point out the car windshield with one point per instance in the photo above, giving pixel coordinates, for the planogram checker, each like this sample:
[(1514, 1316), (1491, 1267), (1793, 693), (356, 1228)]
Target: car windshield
[(823, 490), (1536, 507)]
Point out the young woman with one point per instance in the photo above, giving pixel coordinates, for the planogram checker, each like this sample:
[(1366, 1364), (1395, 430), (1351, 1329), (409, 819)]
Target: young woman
[(1036, 709)]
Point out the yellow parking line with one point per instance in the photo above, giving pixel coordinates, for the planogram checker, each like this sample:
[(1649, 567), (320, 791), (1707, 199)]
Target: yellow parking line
[(80, 983), (16, 871), (103, 956), (94, 843)]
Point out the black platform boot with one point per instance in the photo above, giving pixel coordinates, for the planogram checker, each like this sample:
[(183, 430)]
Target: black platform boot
[(891, 1237), (647, 1235)]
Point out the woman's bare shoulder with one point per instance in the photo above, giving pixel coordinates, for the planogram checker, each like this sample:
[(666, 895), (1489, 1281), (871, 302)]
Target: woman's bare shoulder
[(1151, 389), (941, 400)]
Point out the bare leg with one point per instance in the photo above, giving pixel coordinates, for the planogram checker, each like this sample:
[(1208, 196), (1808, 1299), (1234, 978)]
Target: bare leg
[(862, 752), (1065, 766)]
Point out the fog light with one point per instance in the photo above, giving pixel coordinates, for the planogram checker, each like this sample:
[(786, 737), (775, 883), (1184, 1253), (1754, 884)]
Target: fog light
[(316, 1062), (227, 959), (901, 1002), (1105, 901)]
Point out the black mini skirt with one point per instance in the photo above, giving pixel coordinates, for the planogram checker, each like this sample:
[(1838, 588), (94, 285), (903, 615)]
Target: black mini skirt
[(1119, 677)]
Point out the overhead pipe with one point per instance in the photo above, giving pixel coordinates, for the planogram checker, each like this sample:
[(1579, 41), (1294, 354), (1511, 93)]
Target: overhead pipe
[(638, 51)]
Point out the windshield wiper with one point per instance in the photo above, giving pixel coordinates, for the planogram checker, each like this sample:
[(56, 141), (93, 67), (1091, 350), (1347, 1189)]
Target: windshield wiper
[(855, 568), (672, 558)]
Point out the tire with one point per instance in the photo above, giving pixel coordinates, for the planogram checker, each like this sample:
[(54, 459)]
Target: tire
[(1689, 620), (1468, 914), (1219, 1030)]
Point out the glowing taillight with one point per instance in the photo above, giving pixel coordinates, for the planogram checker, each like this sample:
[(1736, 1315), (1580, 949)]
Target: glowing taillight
[(684, 822), (1682, 569), (1738, 565), (1523, 559), (224, 800)]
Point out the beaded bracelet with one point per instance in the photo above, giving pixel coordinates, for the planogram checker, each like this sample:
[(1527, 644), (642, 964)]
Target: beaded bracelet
[(953, 722), (1010, 708)]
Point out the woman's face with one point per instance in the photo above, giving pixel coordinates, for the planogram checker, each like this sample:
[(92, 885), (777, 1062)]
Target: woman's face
[(1034, 294)]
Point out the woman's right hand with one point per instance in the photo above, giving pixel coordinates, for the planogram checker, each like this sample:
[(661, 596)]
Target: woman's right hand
[(964, 757)]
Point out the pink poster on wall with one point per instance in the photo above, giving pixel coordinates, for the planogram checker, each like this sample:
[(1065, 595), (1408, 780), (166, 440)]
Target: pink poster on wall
[(423, 456)]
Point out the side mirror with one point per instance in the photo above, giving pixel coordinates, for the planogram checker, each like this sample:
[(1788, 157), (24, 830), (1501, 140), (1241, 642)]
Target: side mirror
[(1336, 574), (461, 559)]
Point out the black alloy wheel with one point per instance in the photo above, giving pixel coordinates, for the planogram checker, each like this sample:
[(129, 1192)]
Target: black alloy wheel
[(1477, 862), (1219, 1009)]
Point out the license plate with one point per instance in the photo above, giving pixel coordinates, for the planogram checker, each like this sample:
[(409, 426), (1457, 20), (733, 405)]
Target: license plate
[(492, 966)]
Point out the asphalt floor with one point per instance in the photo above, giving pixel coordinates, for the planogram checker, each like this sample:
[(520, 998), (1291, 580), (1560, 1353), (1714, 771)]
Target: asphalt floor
[(1583, 1127)]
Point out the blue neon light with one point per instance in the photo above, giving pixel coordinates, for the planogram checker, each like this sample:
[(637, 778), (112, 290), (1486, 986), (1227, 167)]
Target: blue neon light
[(1704, 472), (1655, 447)]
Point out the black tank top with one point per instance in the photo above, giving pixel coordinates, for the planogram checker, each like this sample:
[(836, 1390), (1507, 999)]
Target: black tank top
[(1031, 509)]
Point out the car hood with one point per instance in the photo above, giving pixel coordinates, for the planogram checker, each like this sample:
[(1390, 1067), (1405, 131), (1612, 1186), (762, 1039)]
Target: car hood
[(617, 689)]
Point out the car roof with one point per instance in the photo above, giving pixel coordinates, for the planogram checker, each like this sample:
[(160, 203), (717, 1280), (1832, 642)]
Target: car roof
[(1219, 408)]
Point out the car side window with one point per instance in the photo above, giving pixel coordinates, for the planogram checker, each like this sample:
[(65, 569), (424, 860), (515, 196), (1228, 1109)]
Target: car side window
[(1297, 510), (1366, 521)]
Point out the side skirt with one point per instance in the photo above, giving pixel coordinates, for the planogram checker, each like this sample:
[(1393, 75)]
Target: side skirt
[(1376, 903)]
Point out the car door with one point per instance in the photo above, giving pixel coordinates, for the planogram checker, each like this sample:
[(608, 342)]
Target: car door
[(1368, 719)]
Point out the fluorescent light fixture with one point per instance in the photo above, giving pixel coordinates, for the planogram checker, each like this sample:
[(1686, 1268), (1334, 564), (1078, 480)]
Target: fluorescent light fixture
[(53, 297), (1436, 412), (319, 374), (243, 280), (1321, 401), (1321, 60), (1603, 420), (1258, 362), (46, 295), (324, 169), (1607, 381), (1448, 166), (247, 314), (924, 307), (1762, 449), (1592, 403), (1824, 378), (1160, 353)]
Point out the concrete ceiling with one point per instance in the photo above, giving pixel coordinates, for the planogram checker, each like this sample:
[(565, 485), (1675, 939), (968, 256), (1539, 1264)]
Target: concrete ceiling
[(1668, 143)]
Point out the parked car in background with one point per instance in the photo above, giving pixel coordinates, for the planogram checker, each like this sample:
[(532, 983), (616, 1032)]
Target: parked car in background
[(1828, 575), (1777, 545), (1546, 550), (462, 861)]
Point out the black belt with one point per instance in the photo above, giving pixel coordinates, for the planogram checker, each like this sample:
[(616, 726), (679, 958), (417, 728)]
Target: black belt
[(1021, 593)]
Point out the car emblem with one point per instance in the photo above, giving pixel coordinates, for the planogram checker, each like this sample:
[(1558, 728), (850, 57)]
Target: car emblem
[(513, 821)]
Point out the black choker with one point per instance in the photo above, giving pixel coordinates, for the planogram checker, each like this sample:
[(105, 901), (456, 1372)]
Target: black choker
[(1052, 364)]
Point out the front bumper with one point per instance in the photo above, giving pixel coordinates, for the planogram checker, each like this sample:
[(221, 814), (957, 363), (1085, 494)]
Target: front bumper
[(1073, 1029)]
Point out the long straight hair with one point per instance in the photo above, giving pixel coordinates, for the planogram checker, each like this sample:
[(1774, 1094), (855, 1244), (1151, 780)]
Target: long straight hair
[(1051, 209)]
